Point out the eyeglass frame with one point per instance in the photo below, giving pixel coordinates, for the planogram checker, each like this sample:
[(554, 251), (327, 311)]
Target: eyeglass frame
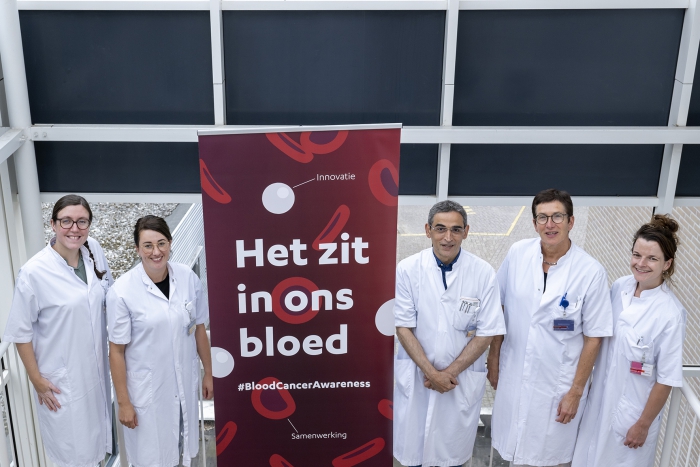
[(60, 223), (149, 247), (563, 214), (461, 231)]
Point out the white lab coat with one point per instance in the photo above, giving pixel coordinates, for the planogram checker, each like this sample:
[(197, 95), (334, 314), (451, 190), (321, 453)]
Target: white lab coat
[(430, 428), (537, 364), (651, 326), (64, 320), (162, 367)]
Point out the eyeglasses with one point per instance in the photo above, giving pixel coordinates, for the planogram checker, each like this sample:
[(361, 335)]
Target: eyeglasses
[(67, 223), (557, 218), (441, 230), (161, 245)]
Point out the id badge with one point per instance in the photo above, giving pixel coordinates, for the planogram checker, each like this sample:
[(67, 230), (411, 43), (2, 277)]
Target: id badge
[(471, 330), (563, 325), (639, 368), (191, 327)]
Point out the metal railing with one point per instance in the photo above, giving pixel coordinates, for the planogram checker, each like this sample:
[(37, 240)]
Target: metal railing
[(5, 458), (681, 442)]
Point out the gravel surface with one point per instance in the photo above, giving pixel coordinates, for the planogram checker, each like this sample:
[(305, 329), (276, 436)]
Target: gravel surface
[(113, 226)]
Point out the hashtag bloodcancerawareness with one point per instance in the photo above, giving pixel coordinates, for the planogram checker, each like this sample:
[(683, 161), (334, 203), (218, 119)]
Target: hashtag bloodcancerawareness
[(278, 461), (360, 454), (384, 182), (225, 436), (310, 143), (210, 186), (334, 227), (275, 404)]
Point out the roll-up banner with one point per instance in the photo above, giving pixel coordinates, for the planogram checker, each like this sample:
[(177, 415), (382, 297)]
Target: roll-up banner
[(300, 228)]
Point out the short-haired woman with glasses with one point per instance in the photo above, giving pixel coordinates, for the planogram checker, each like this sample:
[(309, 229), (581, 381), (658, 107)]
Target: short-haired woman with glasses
[(157, 314), (641, 362), (57, 323)]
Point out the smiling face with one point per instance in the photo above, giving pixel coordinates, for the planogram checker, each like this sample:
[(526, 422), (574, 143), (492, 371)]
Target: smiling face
[(72, 238), (551, 233), (446, 245), (155, 259), (648, 264)]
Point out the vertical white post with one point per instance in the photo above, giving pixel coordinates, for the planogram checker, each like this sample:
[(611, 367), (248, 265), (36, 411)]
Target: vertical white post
[(671, 423), (217, 61), (448, 94), (680, 102), (18, 111)]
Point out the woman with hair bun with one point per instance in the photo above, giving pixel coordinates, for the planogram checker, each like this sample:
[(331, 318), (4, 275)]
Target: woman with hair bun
[(157, 313), (57, 323), (641, 362)]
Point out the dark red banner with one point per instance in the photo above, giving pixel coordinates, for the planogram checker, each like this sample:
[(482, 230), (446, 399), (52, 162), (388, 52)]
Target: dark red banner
[(300, 234)]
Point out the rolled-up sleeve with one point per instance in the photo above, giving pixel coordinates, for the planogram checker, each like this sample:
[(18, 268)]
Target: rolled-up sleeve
[(597, 310), (404, 306), (490, 321), (202, 314), (24, 312), (669, 358), (118, 319)]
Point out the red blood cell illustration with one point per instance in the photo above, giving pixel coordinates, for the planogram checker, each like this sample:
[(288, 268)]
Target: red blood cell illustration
[(287, 145), (360, 454), (300, 302), (273, 402), (334, 226), (386, 408), (323, 142), (278, 461), (225, 436), (210, 186), (384, 182)]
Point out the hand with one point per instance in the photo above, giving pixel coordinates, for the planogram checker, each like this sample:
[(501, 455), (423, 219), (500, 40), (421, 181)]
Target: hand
[(441, 381), (208, 387), (492, 370), (636, 436), (127, 416), (45, 390), (568, 406)]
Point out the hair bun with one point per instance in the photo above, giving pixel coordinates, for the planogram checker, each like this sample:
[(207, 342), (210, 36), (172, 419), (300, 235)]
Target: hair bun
[(663, 221)]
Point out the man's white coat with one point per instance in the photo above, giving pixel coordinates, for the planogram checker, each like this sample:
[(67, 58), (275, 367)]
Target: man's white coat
[(538, 364), (162, 367), (649, 328), (64, 320), (432, 428)]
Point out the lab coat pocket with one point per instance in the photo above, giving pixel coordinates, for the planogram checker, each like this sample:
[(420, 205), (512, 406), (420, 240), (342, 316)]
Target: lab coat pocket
[(626, 415), (404, 375), (140, 387), (59, 378), (462, 319), (472, 385), (637, 350)]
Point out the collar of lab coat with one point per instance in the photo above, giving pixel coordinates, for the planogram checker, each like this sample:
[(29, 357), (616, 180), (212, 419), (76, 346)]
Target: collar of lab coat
[(151, 286), (628, 291), (89, 266)]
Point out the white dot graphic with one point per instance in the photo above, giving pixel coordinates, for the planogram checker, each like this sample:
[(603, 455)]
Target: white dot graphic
[(384, 319), (222, 363), (278, 198)]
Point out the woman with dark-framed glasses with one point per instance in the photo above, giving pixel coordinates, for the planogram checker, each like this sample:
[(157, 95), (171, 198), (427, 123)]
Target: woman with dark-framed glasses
[(157, 313), (57, 323)]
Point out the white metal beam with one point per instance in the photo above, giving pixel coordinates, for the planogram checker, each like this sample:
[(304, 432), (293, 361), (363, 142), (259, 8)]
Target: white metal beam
[(449, 62), (410, 134), (407, 200), (350, 4), (10, 141), (680, 103), (50, 197), (217, 61), (97, 5)]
